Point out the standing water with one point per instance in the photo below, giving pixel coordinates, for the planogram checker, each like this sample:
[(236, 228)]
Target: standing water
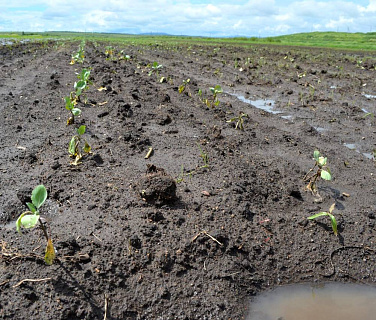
[(305, 302)]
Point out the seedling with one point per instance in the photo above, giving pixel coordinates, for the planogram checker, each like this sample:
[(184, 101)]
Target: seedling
[(204, 156), (84, 76), (239, 121), (322, 171), (330, 215), (29, 219), (369, 114), (74, 146), (82, 83), (79, 56), (70, 104), (213, 101), (155, 68), (184, 87), (182, 175), (123, 56), (109, 52)]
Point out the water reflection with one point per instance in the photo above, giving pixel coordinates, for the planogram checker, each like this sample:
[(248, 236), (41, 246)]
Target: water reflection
[(332, 301)]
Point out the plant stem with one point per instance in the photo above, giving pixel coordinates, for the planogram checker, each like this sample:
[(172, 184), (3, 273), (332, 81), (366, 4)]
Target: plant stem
[(44, 229)]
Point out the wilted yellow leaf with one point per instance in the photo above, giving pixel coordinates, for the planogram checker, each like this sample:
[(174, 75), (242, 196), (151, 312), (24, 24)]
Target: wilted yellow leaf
[(50, 253)]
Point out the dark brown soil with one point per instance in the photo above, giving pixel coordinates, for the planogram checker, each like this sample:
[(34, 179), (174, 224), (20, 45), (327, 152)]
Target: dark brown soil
[(134, 244)]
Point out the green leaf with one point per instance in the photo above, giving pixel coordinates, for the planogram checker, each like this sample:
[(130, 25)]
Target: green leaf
[(322, 161), (39, 195), (81, 130), (31, 207), (87, 147), (18, 222), (320, 214), (76, 111), (326, 175), (73, 146), (69, 105), (334, 223), (29, 220), (156, 66), (218, 89), (81, 84), (84, 75), (316, 155)]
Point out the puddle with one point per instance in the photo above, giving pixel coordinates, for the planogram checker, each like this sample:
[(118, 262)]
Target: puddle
[(266, 105), (320, 129), (304, 302), (263, 104), (369, 96), (353, 146), (9, 225), (368, 155), (5, 42), (10, 41), (365, 110)]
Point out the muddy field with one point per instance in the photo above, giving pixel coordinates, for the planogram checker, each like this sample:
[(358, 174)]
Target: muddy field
[(216, 214)]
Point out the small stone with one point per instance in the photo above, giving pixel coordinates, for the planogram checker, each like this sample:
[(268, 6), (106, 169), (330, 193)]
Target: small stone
[(56, 165), (91, 206)]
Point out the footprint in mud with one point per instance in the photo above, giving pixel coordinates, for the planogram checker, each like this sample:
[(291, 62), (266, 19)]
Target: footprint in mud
[(157, 187)]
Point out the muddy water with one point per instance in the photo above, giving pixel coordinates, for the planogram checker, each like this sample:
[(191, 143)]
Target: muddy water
[(304, 302)]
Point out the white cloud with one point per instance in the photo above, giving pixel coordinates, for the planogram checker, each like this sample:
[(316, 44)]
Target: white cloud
[(239, 17), (332, 24), (370, 8)]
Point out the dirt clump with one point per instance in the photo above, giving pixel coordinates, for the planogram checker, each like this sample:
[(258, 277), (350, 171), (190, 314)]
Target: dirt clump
[(157, 186)]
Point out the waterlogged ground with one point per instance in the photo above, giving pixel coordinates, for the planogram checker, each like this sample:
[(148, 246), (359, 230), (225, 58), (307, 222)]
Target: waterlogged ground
[(130, 246)]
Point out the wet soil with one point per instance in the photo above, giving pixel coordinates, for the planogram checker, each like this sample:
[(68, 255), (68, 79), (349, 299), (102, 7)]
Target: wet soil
[(215, 214)]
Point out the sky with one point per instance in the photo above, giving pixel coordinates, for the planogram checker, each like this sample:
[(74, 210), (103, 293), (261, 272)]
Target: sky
[(260, 18)]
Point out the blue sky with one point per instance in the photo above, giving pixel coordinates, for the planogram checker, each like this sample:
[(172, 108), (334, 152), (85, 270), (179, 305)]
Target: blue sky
[(189, 17)]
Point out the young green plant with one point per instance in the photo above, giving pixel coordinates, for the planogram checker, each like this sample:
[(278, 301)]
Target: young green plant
[(29, 219), (184, 87), (74, 146), (204, 156), (79, 86), (322, 171), (82, 84), (239, 121), (155, 68), (123, 56), (213, 100), (70, 104), (109, 52), (330, 215), (79, 56)]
